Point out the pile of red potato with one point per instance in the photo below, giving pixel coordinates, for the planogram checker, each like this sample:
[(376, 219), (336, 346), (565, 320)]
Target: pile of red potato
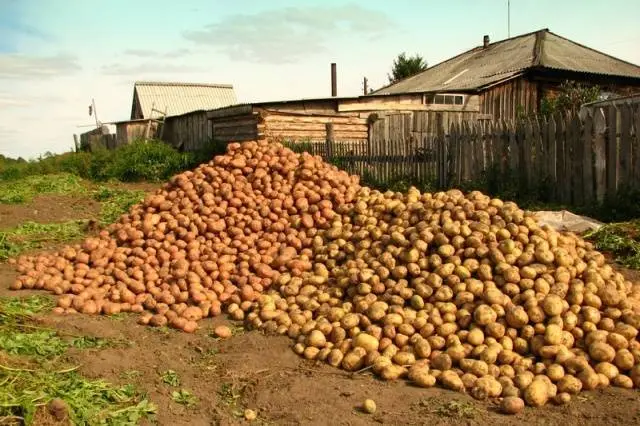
[(464, 291)]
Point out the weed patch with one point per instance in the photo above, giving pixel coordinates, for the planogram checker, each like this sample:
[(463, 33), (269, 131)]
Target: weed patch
[(231, 394), (184, 397), (130, 375), (21, 191), (42, 343), (115, 202), (32, 235), (449, 409), (620, 239), (23, 391), (18, 337), (18, 307), (170, 378)]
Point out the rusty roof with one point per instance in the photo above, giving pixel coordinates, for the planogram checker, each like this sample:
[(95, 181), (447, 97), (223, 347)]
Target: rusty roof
[(481, 67), (180, 98)]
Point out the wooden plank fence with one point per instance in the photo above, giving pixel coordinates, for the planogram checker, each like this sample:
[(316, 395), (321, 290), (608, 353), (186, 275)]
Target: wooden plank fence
[(575, 160)]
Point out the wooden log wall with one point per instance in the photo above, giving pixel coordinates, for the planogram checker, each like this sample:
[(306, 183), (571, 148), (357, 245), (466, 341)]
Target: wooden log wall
[(288, 126), (236, 128)]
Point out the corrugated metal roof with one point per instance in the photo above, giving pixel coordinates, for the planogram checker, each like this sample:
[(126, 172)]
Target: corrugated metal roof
[(560, 53), (481, 67), (181, 98)]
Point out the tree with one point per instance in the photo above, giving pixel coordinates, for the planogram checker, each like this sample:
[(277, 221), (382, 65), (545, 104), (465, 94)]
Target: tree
[(569, 98), (404, 67)]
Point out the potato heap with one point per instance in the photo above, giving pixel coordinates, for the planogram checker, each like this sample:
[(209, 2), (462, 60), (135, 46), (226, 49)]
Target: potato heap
[(461, 290), (210, 238), (466, 291)]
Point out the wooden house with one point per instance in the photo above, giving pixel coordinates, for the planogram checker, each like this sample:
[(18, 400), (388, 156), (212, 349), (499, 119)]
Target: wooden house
[(353, 118), (514, 75), (174, 112), (153, 99)]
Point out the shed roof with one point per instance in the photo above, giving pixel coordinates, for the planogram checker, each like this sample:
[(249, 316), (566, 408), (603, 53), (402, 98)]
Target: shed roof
[(180, 98), (481, 66)]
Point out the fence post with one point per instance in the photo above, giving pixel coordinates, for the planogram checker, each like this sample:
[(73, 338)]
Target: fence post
[(587, 158), (441, 158), (599, 148), (330, 139), (612, 150), (625, 145), (636, 147)]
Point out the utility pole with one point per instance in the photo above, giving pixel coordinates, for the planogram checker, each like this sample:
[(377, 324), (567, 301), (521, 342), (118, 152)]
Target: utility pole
[(366, 88)]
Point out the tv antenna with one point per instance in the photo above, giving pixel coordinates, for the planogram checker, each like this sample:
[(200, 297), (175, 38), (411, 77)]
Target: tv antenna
[(508, 18)]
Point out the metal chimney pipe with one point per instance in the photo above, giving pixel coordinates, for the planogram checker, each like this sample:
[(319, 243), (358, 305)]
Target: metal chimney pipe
[(334, 83)]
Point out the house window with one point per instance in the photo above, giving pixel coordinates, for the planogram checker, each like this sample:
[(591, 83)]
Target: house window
[(444, 99)]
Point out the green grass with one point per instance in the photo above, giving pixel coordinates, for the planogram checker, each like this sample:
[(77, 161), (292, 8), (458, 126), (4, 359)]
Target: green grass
[(90, 402), (21, 191), (115, 202), (620, 239), (32, 235)]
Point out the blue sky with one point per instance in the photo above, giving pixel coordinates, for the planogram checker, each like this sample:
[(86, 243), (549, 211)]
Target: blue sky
[(55, 55)]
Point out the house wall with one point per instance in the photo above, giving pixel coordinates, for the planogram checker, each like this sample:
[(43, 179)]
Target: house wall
[(504, 101), (96, 139), (129, 131), (136, 110), (188, 132), (295, 126), (406, 103), (236, 128)]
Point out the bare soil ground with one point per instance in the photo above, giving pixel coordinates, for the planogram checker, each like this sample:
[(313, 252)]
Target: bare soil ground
[(48, 209), (260, 372)]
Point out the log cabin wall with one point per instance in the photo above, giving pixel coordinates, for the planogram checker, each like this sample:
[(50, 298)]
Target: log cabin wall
[(237, 128), (299, 127)]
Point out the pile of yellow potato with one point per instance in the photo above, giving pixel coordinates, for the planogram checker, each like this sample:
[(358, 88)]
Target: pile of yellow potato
[(465, 291)]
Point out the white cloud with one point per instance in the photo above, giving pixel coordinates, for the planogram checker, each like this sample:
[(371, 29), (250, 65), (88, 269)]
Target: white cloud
[(22, 67), (148, 53), (22, 100), (289, 34), (147, 68)]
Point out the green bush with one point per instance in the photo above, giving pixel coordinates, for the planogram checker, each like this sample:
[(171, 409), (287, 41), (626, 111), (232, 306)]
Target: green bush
[(150, 160)]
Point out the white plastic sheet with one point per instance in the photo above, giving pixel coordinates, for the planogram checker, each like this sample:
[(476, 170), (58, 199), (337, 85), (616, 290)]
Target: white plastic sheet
[(564, 220)]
